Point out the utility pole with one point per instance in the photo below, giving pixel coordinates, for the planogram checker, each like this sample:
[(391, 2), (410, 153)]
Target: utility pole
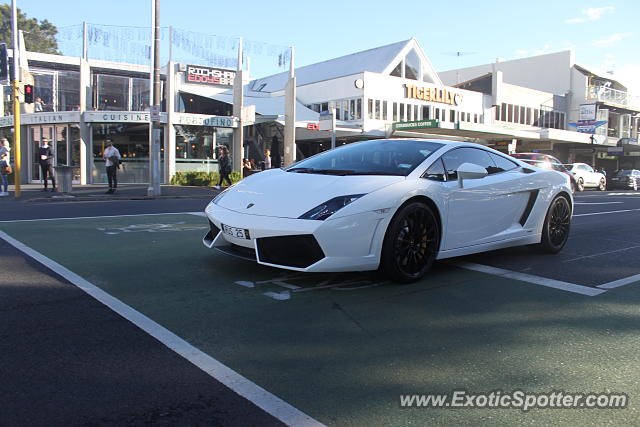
[(16, 99), (154, 104)]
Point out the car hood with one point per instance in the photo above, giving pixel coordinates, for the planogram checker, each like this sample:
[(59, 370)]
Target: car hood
[(289, 194)]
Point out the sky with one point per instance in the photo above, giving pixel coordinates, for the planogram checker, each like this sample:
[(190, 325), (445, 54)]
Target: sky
[(460, 33)]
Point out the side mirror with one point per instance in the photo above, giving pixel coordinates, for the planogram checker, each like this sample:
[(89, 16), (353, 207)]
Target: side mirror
[(470, 171)]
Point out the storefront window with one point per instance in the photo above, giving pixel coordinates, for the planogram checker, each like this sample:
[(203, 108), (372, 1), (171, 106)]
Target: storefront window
[(196, 147), (68, 91), (412, 66), (139, 94), (132, 140), (43, 91), (112, 92)]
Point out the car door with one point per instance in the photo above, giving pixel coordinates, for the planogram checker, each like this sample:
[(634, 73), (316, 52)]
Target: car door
[(591, 177), (482, 210)]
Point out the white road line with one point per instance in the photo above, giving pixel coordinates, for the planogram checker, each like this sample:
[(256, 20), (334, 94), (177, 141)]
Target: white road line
[(233, 380), (536, 280), (606, 213), (601, 253), (101, 216), (620, 282)]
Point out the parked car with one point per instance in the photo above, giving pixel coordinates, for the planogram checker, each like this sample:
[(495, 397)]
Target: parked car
[(586, 177), (395, 205), (626, 178), (545, 161)]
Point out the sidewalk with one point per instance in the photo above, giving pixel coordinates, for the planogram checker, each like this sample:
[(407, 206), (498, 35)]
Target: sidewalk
[(33, 192)]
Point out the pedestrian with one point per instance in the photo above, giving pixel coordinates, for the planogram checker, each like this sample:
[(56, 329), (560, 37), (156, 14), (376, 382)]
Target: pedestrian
[(111, 158), (224, 166), (46, 164), (266, 163), (246, 168), (5, 165)]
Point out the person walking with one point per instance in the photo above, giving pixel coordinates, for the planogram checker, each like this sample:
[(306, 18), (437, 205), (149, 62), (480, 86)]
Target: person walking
[(111, 158), (224, 166), (5, 165), (46, 164), (266, 163)]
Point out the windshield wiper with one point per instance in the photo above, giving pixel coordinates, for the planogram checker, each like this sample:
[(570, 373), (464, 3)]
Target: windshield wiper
[(374, 173), (340, 172)]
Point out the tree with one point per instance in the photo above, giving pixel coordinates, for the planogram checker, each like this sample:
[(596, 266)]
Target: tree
[(39, 36)]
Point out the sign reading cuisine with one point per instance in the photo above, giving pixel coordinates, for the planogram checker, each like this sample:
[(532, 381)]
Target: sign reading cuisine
[(209, 76)]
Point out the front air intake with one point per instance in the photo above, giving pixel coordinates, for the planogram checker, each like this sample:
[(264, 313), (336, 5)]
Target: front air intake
[(299, 251)]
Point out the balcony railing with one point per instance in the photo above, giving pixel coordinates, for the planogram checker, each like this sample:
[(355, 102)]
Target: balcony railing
[(606, 94)]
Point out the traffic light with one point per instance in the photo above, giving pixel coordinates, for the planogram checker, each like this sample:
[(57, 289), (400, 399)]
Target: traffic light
[(28, 94)]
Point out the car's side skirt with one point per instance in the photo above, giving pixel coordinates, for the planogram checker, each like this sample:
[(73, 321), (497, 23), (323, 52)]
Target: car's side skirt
[(468, 250)]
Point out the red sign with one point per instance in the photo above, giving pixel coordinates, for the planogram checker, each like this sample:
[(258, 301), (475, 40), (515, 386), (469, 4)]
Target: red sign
[(313, 126)]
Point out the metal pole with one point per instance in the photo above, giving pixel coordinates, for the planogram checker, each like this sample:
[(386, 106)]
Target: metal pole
[(333, 128), (154, 131), (16, 99), (85, 47)]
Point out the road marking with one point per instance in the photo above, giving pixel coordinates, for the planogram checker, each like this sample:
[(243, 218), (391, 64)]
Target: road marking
[(601, 253), (620, 282), (529, 278), (597, 203), (608, 212), (101, 216), (233, 380)]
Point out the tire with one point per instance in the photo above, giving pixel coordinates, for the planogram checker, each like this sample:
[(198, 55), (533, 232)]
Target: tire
[(580, 184), (557, 224), (411, 243), (603, 185)]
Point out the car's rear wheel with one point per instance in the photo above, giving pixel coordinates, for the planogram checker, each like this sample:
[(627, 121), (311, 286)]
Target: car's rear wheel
[(557, 224), (411, 243), (603, 185), (580, 184)]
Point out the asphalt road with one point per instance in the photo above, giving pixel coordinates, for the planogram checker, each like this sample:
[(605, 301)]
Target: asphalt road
[(79, 363)]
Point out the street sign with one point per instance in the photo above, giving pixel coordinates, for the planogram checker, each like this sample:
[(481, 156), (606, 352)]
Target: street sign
[(4, 65), (155, 113)]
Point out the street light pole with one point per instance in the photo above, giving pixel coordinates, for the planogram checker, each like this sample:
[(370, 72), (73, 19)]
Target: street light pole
[(16, 99), (154, 104)]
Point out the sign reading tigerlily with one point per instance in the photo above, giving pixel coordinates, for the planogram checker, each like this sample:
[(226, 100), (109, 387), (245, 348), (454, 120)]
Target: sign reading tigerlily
[(433, 94)]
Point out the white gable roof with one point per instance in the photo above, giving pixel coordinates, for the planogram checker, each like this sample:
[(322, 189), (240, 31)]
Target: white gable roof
[(381, 60)]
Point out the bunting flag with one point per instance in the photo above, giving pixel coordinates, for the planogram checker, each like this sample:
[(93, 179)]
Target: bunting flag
[(133, 45)]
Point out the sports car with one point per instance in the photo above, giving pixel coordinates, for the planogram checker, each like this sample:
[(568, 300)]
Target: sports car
[(391, 204)]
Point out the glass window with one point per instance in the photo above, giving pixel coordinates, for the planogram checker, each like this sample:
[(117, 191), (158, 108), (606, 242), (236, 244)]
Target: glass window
[(412, 66), (345, 110), (454, 158), (398, 70), (139, 94), (384, 110), (503, 112), (370, 108), (528, 119), (502, 163), (376, 157), (516, 114), (401, 114), (435, 171), (358, 109), (395, 111), (352, 109), (43, 91), (522, 116), (497, 113), (437, 113), (425, 112), (377, 109), (452, 116), (68, 91), (112, 92)]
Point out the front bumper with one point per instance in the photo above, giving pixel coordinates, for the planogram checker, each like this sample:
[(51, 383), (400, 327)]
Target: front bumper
[(351, 243)]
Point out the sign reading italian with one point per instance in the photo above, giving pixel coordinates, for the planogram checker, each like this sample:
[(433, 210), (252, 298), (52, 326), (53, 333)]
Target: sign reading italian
[(210, 76), (433, 94)]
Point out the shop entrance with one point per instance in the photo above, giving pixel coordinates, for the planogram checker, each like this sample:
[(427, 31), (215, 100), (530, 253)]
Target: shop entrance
[(65, 143)]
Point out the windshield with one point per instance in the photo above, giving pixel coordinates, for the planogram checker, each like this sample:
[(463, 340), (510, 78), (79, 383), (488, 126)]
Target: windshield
[(376, 157), (624, 173)]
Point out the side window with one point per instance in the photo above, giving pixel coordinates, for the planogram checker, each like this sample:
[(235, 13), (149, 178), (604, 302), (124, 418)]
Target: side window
[(502, 163), (587, 168), (454, 158), (435, 171)]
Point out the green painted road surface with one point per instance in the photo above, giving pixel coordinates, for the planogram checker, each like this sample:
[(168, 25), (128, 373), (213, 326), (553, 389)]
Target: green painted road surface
[(344, 352)]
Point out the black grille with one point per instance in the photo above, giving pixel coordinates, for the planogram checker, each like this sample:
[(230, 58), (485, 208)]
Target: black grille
[(214, 230), (295, 251)]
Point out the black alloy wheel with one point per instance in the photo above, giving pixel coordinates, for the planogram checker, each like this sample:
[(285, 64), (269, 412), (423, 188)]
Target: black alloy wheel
[(580, 184), (557, 224), (411, 243), (603, 185)]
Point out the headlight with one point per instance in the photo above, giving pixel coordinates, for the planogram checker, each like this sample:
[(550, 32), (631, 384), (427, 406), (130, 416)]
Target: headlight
[(328, 208)]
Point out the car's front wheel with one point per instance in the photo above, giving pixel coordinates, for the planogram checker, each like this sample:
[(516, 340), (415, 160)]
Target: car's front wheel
[(580, 184), (411, 243), (557, 224), (603, 185)]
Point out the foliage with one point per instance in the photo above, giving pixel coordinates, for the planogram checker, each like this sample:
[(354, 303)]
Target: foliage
[(39, 36), (201, 179)]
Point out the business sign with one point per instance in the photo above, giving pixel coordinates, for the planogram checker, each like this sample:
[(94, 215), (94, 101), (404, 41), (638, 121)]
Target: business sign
[(209, 76), (616, 151), (204, 120), (587, 126), (587, 112), (433, 94), (117, 117), (420, 124)]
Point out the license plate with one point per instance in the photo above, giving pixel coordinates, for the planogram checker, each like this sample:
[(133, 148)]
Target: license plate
[(238, 233)]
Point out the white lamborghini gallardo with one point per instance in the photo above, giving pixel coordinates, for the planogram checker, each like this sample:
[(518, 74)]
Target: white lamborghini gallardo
[(391, 204)]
